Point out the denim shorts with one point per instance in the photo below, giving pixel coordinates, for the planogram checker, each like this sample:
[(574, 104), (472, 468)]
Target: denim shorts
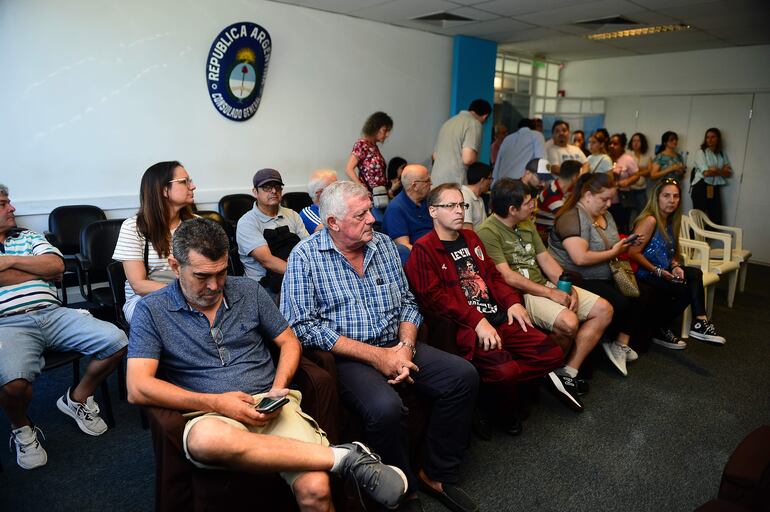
[(24, 337)]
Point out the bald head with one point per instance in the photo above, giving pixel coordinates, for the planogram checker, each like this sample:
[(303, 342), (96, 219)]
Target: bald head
[(412, 173)]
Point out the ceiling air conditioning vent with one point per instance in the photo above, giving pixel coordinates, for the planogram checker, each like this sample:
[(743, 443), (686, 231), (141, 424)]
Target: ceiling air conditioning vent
[(443, 19), (608, 20)]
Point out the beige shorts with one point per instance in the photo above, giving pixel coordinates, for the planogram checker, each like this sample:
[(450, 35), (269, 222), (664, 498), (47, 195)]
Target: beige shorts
[(543, 311), (291, 423)]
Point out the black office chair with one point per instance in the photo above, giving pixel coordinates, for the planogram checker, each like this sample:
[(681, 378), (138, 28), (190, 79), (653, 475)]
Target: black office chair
[(296, 200), (64, 225), (97, 243), (232, 207), (234, 266)]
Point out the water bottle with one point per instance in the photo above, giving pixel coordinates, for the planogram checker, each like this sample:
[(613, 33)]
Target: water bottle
[(565, 283)]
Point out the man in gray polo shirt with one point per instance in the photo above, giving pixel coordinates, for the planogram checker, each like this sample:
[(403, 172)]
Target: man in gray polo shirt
[(459, 143), (200, 344), (262, 245)]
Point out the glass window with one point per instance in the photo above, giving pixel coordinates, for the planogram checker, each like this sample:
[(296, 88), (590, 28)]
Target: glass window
[(509, 81), (525, 68), (539, 105), (524, 84), (551, 89), (498, 81), (553, 71), (540, 88), (499, 64), (550, 105), (541, 69)]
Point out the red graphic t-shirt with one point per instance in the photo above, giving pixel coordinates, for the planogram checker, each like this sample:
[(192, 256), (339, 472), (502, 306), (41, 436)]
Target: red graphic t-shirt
[(371, 164)]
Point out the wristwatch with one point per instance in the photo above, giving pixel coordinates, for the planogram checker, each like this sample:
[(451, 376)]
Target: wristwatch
[(408, 345)]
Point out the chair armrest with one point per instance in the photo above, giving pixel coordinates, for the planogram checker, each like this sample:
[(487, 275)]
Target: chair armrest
[(725, 238), (50, 237), (702, 248), (83, 261)]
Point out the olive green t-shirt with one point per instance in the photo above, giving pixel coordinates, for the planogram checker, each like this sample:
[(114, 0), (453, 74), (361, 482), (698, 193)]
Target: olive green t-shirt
[(517, 247)]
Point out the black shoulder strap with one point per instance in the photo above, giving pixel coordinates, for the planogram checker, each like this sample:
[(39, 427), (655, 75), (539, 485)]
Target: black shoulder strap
[(146, 257)]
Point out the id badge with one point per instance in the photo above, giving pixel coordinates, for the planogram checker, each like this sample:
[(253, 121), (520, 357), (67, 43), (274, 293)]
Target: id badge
[(709, 191)]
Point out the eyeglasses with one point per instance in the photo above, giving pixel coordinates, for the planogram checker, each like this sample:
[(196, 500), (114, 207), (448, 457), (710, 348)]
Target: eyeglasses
[(187, 182), (218, 337), (452, 206), (423, 181), (271, 187)]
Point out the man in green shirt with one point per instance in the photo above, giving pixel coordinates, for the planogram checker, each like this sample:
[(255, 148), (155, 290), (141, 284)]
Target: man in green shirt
[(512, 241)]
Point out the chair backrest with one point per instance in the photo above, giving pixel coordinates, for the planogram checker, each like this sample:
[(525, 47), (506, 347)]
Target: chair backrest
[(232, 207), (296, 200), (65, 223), (116, 275), (696, 217), (97, 243)]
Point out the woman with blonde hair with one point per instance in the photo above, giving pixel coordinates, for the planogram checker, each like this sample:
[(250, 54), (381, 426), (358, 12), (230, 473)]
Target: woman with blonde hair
[(661, 267)]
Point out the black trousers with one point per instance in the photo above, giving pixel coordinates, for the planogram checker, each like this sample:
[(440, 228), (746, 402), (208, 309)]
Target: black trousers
[(629, 311), (700, 200), (448, 381), (670, 299)]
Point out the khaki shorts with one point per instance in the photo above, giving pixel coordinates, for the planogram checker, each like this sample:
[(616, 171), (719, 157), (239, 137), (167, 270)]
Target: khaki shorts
[(291, 423), (543, 311)]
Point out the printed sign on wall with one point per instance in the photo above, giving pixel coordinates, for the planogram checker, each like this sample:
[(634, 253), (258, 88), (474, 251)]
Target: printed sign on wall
[(236, 69)]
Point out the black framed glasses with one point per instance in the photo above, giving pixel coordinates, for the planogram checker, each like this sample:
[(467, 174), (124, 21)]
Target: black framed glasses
[(218, 337), (271, 187), (452, 206), (187, 182)]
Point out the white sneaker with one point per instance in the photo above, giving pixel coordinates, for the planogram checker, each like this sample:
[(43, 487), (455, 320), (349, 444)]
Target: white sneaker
[(616, 355), (86, 415), (631, 354), (30, 454)]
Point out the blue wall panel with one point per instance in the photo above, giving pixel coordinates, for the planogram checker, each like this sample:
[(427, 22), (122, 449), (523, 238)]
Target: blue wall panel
[(473, 76)]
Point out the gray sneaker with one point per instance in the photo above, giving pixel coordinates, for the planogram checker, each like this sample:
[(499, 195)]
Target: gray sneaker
[(29, 452), (86, 415), (631, 354), (384, 484), (616, 355)]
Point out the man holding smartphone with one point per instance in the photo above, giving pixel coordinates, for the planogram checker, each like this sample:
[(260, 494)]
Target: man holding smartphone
[(205, 335)]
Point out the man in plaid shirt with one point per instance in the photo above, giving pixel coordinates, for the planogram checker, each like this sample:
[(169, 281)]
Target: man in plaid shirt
[(345, 291)]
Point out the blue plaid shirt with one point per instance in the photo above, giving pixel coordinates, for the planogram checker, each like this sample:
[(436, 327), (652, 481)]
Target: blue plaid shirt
[(324, 298)]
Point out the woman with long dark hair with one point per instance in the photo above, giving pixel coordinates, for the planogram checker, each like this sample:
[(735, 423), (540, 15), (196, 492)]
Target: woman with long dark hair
[(710, 173), (661, 267), (395, 168), (668, 162), (626, 174), (584, 240), (166, 196)]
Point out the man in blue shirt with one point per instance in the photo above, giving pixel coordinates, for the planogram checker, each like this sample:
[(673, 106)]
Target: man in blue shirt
[(407, 218), (517, 149), (345, 292), (204, 334), (318, 181)]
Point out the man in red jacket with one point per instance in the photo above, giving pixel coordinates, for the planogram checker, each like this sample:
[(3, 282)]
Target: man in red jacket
[(451, 275)]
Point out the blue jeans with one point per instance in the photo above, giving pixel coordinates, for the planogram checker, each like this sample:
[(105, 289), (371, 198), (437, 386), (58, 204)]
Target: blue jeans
[(24, 337)]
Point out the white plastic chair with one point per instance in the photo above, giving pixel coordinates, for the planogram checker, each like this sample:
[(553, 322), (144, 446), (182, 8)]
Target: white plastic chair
[(701, 220), (696, 254)]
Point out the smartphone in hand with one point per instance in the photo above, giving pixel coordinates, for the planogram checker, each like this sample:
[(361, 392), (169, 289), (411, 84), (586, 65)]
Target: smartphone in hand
[(630, 239), (268, 405)]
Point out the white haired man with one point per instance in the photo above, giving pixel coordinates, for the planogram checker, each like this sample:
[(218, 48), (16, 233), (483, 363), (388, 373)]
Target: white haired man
[(318, 181), (345, 292)]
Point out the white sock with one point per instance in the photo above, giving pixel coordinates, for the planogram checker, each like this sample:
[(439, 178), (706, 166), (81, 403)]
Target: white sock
[(339, 454), (570, 371)]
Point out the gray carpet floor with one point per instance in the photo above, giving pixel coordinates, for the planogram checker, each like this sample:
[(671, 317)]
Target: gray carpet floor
[(654, 441)]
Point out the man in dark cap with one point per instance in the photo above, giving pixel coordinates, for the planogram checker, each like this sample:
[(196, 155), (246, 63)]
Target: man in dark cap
[(268, 232)]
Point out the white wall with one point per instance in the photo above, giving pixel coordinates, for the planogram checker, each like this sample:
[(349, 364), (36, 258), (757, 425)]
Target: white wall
[(94, 92), (688, 92), (741, 69)]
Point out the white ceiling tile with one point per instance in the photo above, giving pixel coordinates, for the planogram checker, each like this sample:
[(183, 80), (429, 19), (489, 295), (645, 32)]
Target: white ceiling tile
[(474, 14), (517, 7), (401, 10), (489, 27), (575, 13)]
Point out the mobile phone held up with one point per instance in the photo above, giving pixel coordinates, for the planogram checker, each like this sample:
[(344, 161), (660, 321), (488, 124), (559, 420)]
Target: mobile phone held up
[(268, 405), (630, 239)]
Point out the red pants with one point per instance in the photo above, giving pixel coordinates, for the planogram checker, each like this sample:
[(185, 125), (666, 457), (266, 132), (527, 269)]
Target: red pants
[(524, 356)]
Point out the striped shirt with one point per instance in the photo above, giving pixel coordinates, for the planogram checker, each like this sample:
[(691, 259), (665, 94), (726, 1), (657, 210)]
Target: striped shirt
[(16, 297), (549, 202), (130, 247), (311, 217), (324, 298)]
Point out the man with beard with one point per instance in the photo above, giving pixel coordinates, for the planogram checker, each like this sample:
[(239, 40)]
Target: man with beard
[(206, 335)]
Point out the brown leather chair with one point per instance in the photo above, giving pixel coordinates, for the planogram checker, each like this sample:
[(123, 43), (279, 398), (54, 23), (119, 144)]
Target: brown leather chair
[(181, 486)]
